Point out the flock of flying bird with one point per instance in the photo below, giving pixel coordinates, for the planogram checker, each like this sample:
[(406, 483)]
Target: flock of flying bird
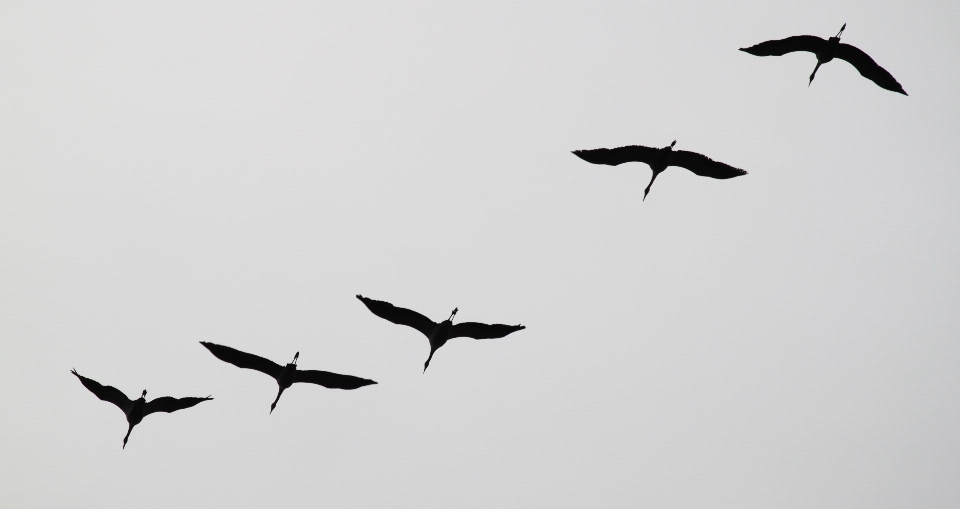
[(439, 333)]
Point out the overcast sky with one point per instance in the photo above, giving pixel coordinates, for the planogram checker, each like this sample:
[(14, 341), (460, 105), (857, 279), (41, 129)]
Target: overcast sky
[(236, 173)]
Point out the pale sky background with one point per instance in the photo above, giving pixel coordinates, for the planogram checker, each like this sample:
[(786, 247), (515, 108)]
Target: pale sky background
[(236, 173)]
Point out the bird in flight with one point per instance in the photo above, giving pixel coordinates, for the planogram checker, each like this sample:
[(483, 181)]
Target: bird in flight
[(827, 51), (136, 410), (437, 333), (658, 159), (285, 375)]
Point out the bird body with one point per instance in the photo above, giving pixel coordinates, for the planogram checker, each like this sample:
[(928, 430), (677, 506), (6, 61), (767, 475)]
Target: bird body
[(284, 380), (828, 51), (437, 333), (137, 409), (441, 333), (439, 337), (285, 376), (135, 413), (659, 160), (825, 51)]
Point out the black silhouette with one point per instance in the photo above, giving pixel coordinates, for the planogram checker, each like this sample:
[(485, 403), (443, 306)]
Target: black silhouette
[(286, 375), (659, 159), (827, 51), (437, 333), (137, 409)]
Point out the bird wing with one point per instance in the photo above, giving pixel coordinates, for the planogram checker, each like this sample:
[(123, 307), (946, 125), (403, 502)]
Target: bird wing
[(168, 404), (243, 359), (779, 47), (482, 330), (868, 68), (615, 156), (703, 165), (330, 380), (105, 392), (399, 316)]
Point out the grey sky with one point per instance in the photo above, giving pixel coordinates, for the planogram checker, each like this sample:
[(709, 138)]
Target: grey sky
[(236, 173)]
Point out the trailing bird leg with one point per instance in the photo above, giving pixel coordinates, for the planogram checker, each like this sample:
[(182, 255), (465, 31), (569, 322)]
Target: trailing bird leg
[(841, 30), (127, 436), (426, 364), (274, 405)]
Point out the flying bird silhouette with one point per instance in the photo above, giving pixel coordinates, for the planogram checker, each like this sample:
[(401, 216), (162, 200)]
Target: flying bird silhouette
[(285, 375), (827, 51), (658, 159), (136, 410), (437, 333)]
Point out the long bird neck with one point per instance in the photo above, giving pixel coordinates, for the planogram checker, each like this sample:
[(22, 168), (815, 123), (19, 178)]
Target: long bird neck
[(127, 436), (274, 404), (659, 166), (652, 178), (427, 364), (821, 59)]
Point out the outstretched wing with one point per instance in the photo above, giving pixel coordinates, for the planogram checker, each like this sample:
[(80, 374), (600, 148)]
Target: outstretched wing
[(615, 156), (330, 380), (868, 68), (105, 392), (482, 330), (243, 359), (399, 316), (779, 47), (168, 404), (703, 165)]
